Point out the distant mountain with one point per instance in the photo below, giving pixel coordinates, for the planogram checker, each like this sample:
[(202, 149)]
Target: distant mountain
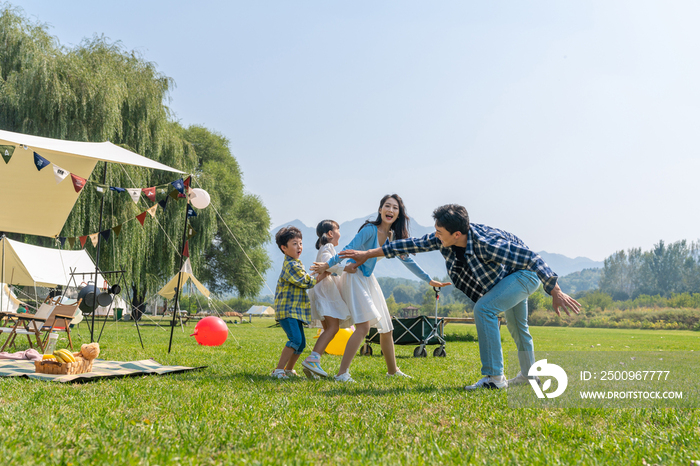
[(563, 265), (431, 262)]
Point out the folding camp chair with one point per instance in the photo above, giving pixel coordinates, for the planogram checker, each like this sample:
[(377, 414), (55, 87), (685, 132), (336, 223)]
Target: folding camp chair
[(28, 324), (59, 321)]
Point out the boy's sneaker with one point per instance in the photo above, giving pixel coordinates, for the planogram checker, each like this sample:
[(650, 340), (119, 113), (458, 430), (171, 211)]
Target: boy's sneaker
[(279, 374), (490, 381), (344, 378), (520, 379), (399, 374), (314, 368), (291, 373)]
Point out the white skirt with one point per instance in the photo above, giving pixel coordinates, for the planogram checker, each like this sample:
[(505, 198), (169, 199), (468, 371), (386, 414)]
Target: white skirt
[(365, 300), (326, 302)]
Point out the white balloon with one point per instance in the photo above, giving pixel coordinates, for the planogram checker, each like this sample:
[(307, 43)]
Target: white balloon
[(199, 198)]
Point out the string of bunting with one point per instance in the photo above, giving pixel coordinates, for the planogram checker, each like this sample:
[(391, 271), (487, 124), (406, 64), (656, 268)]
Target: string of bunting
[(79, 182), (107, 234)]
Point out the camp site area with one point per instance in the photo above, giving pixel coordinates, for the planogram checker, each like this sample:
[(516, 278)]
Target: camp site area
[(232, 412)]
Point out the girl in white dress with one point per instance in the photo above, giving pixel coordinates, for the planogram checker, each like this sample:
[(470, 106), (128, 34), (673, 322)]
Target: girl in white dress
[(361, 291), (326, 303)]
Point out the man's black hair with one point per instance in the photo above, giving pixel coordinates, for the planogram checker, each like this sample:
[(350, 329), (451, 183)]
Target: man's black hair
[(285, 234), (452, 217)]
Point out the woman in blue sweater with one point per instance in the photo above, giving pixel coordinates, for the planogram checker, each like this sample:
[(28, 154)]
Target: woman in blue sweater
[(361, 291)]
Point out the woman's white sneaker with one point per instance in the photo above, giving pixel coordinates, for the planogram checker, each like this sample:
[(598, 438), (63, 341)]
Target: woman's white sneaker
[(344, 378), (399, 374)]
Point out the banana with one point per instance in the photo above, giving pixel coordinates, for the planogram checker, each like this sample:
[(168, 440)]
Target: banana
[(67, 356), (48, 356), (58, 357)]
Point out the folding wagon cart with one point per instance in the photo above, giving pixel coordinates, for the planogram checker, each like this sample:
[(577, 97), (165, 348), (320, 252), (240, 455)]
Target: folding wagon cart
[(421, 330)]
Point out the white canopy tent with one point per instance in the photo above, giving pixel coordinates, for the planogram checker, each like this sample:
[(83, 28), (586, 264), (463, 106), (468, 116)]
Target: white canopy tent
[(168, 291), (8, 299), (260, 311), (32, 202), (28, 265)]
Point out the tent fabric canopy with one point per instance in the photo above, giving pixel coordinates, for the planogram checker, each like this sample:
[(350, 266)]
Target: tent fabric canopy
[(28, 265), (260, 311), (32, 202), (168, 291)]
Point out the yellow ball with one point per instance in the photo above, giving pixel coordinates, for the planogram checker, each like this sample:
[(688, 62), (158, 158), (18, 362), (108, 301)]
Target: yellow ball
[(338, 343)]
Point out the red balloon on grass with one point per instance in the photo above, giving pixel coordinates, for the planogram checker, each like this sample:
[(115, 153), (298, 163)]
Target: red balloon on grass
[(210, 331)]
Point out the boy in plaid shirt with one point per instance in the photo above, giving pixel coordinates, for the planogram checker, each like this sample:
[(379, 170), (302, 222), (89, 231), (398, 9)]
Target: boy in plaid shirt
[(292, 306)]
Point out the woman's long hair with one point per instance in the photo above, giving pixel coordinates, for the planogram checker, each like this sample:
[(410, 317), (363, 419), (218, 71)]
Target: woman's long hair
[(402, 222), (321, 231)]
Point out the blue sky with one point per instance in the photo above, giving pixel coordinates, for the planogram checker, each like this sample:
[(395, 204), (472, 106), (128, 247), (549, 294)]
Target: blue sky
[(571, 124)]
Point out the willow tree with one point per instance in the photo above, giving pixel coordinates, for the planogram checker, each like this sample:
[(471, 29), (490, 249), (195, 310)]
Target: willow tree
[(99, 91)]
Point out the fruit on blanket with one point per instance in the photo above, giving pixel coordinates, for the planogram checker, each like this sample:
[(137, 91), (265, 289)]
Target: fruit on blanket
[(63, 355), (90, 351)]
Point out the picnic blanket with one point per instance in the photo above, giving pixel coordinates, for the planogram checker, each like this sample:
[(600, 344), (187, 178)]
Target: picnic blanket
[(100, 369)]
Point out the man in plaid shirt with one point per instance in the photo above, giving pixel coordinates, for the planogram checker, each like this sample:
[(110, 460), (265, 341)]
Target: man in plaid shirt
[(494, 269), (292, 307)]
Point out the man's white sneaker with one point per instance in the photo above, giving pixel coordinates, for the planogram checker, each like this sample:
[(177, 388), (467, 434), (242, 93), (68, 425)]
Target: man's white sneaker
[(313, 367), (279, 374), (520, 379), (399, 374), (493, 382), (344, 378)]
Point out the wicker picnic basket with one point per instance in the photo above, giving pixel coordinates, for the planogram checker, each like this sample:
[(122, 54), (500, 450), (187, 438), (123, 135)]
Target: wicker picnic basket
[(80, 366)]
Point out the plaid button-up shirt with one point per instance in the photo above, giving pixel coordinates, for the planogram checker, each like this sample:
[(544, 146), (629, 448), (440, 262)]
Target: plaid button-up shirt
[(291, 300), (491, 254)]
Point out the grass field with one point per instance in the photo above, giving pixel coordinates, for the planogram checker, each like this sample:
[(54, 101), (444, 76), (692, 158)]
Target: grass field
[(233, 413)]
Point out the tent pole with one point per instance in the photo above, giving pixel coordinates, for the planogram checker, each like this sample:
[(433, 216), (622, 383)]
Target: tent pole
[(179, 276), (2, 295), (97, 257)]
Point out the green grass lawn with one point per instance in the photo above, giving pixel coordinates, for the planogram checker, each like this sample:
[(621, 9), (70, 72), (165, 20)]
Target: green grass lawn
[(232, 412)]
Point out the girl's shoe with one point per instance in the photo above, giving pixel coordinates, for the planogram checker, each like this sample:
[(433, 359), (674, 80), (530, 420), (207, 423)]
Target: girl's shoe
[(291, 373), (313, 368), (399, 374), (279, 374), (344, 378)]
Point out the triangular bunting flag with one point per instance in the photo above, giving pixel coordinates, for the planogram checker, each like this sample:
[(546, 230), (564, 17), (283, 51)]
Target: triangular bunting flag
[(152, 210), (40, 161), (71, 241), (174, 194), (94, 237), (191, 212), (190, 232), (179, 185), (59, 173), (163, 202), (7, 152), (135, 194), (150, 193), (101, 189), (180, 195), (119, 190), (105, 234), (188, 181), (186, 251), (117, 230), (83, 239), (62, 240), (142, 216), (78, 182)]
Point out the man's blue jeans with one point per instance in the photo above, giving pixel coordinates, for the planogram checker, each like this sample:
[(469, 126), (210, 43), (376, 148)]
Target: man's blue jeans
[(509, 296)]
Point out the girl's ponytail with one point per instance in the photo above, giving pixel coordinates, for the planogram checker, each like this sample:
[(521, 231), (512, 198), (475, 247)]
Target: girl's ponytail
[(321, 231)]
